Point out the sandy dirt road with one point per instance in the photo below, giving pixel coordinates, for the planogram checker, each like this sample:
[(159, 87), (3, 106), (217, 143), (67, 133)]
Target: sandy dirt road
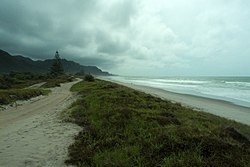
[(33, 134)]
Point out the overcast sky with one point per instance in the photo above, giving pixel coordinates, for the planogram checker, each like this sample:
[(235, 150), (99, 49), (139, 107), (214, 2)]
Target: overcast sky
[(133, 37)]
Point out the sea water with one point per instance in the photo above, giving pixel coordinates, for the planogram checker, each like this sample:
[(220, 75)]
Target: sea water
[(231, 89)]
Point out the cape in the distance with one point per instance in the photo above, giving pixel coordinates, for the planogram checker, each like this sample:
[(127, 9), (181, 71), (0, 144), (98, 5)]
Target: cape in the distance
[(19, 63)]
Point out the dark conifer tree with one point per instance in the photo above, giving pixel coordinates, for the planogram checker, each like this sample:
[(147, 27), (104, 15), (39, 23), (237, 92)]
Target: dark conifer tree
[(57, 68)]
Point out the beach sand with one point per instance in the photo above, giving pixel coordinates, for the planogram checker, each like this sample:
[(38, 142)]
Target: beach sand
[(217, 107)]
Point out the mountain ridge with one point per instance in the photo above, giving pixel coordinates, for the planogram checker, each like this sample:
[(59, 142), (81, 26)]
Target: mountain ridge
[(21, 63)]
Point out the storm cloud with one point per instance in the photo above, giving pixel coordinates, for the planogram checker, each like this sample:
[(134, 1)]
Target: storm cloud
[(133, 37)]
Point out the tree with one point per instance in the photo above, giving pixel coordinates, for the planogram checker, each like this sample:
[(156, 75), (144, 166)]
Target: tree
[(57, 68)]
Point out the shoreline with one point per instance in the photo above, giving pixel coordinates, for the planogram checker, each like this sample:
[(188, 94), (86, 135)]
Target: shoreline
[(217, 107)]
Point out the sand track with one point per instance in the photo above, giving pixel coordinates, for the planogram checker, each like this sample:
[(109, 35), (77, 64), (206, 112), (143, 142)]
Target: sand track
[(33, 134)]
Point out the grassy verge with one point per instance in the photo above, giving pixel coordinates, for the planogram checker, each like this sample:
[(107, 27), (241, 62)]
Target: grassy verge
[(11, 95), (18, 80), (12, 86), (124, 127)]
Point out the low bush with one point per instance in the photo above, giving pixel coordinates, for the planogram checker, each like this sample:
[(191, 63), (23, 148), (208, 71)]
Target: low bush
[(17, 80), (12, 95), (89, 78)]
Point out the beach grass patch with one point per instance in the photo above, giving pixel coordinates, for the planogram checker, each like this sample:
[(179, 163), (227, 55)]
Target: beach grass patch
[(8, 96), (124, 127)]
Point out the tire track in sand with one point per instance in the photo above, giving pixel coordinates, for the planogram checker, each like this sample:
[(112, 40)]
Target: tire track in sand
[(34, 135)]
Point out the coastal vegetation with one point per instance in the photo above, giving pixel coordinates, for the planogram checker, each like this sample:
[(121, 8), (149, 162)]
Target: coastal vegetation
[(10, 96), (57, 68), (15, 80), (124, 127), (16, 85), (89, 78)]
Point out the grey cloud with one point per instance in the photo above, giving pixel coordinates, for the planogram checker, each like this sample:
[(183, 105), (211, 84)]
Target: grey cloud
[(121, 12), (111, 45), (131, 36), (22, 21)]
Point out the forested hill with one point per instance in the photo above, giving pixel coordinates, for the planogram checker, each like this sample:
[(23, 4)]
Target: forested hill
[(18, 63)]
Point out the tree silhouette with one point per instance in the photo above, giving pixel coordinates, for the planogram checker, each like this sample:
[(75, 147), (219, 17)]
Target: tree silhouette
[(57, 68)]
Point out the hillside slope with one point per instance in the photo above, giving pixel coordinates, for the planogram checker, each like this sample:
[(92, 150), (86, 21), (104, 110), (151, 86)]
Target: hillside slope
[(19, 63)]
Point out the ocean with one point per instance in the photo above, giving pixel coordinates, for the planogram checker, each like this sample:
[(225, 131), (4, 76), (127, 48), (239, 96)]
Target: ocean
[(231, 89)]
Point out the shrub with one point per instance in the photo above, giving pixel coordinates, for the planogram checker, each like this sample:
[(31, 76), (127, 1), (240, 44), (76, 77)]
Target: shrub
[(89, 78), (12, 95)]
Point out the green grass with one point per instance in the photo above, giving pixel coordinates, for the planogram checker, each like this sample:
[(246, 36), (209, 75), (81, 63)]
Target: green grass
[(12, 86), (18, 80), (124, 127), (11, 95)]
